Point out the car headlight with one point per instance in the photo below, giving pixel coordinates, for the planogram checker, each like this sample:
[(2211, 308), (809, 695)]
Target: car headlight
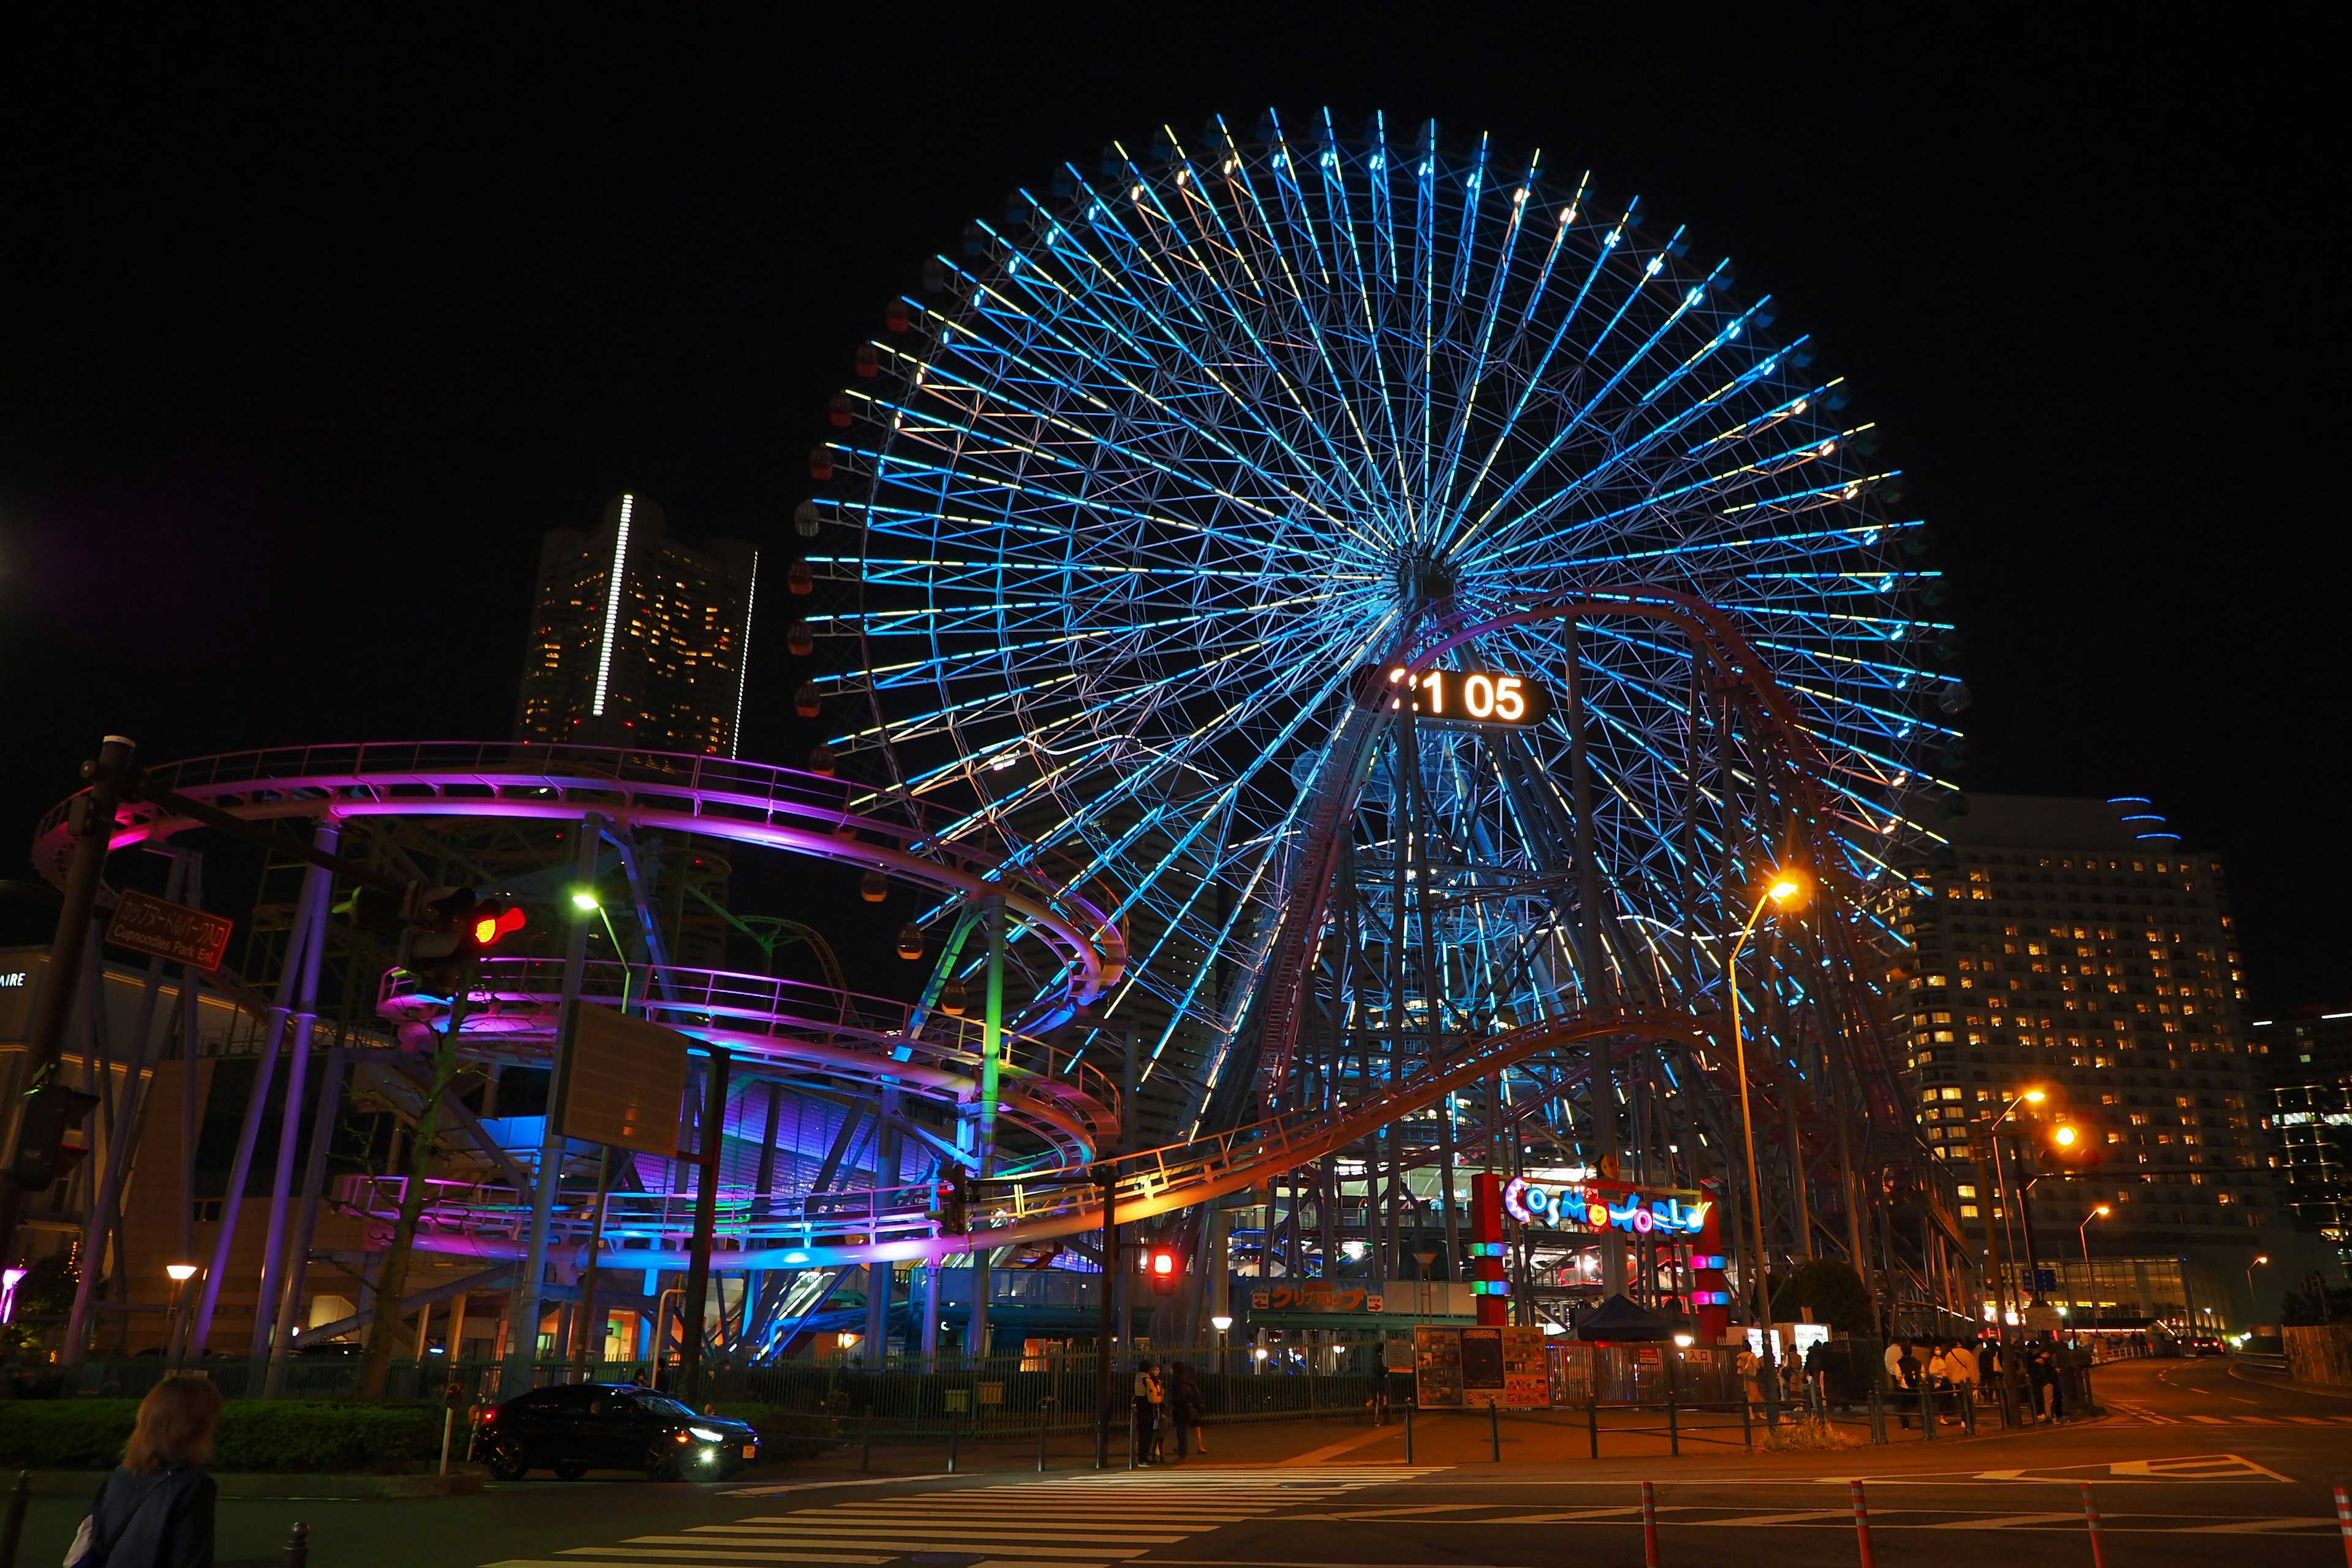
[(706, 1435)]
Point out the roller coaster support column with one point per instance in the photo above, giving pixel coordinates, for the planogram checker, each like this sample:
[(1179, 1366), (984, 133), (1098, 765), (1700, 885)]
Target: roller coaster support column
[(98, 1224), (318, 894), (249, 1133), (1106, 1177), (31, 1168), (306, 1224), (695, 1303), (522, 1326), (992, 1051)]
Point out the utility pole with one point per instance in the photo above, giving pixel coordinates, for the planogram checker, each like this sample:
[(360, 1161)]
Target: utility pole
[(48, 1110), (706, 1218)]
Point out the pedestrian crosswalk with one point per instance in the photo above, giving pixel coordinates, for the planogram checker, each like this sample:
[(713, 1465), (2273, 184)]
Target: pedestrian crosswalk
[(1093, 1521), (2162, 1418)]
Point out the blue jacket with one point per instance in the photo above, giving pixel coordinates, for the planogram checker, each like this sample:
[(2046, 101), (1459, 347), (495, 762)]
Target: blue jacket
[(158, 1521)]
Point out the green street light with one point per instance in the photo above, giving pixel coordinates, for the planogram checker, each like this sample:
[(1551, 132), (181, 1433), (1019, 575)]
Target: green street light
[(585, 901)]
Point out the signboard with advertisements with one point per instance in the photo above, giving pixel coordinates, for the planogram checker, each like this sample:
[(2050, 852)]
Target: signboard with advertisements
[(160, 928), (1506, 1364), (1436, 1367), (1316, 1296)]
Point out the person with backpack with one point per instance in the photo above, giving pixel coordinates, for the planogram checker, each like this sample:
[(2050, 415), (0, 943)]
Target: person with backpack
[(155, 1510), (1147, 1412)]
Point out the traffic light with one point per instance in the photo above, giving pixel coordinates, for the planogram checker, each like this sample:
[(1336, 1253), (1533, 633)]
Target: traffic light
[(446, 928), (951, 1201), (1165, 1268), (2073, 1145), (51, 1112)]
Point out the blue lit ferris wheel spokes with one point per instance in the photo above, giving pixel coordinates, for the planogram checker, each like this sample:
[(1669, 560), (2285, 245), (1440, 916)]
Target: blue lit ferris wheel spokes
[(1187, 430)]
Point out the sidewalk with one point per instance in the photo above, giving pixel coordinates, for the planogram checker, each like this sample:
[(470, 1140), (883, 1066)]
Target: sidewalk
[(1547, 1442)]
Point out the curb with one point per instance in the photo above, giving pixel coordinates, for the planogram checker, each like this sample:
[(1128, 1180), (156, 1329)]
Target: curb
[(283, 1487)]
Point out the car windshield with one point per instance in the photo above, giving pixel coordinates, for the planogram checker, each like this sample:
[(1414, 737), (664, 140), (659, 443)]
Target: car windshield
[(661, 1405)]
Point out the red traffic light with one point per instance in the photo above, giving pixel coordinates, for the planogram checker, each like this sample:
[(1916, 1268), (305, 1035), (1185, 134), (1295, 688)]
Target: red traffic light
[(1163, 1267), (490, 922)]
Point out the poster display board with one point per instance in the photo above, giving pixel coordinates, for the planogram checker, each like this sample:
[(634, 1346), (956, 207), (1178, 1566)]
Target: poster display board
[(1436, 1367), (1527, 1373)]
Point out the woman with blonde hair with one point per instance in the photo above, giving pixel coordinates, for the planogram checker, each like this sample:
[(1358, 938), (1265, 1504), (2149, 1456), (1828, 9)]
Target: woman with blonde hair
[(155, 1510)]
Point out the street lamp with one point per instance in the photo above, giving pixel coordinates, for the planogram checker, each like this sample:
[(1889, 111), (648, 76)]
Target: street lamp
[(1781, 891), (2028, 1096), (1221, 1322), (2083, 1234), (2252, 1309), (181, 1273), (585, 901)]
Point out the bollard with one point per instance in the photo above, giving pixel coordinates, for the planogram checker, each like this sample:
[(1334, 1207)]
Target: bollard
[(2091, 1518), (866, 1451), (1861, 1527), (1494, 1432), (1674, 1428), (1648, 1527), (1926, 1411), (297, 1548), (1746, 1425), (2343, 1519), (951, 1442), (1130, 1437), (21, 1494), (448, 1415), (1044, 1407), (1408, 1430), (1592, 1421)]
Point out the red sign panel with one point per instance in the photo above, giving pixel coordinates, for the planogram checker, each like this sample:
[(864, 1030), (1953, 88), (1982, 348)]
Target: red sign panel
[(148, 924)]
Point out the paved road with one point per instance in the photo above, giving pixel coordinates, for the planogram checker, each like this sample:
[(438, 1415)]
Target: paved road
[(2201, 1459)]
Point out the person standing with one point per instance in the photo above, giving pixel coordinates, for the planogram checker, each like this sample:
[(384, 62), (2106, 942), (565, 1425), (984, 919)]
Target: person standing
[(1158, 1446), (1185, 1402), (156, 1507), (1147, 1409)]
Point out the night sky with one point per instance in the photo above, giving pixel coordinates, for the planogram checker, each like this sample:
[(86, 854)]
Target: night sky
[(310, 326)]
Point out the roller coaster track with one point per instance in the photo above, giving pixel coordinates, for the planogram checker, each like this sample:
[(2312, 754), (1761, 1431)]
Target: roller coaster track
[(715, 797), (779, 1029), (896, 1224)]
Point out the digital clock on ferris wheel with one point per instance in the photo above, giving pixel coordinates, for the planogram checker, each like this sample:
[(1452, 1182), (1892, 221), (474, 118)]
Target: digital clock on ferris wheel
[(1457, 696)]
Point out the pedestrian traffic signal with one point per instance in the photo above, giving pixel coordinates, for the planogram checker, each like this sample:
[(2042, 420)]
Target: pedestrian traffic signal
[(51, 1112), (1165, 1266)]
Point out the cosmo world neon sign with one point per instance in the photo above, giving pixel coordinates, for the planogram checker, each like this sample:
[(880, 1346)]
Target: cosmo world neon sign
[(1590, 1208)]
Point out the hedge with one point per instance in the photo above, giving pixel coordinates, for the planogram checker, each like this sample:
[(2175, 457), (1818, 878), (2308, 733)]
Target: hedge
[(275, 1437)]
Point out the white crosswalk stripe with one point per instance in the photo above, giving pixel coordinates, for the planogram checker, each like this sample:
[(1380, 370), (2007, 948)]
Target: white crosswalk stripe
[(1069, 1521)]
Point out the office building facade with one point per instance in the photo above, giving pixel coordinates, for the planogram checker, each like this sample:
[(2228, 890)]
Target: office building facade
[(637, 639)]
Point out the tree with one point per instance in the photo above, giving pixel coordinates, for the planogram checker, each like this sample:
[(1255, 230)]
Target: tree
[(392, 1283), (1834, 1292)]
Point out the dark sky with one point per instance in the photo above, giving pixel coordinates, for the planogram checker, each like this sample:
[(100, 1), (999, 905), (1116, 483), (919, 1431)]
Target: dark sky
[(310, 326)]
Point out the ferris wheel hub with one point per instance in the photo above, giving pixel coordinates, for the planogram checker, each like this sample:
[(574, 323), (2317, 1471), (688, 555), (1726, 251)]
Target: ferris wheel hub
[(1424, 578)]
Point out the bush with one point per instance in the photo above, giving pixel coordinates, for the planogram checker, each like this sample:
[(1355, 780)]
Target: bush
[(285, 1436)]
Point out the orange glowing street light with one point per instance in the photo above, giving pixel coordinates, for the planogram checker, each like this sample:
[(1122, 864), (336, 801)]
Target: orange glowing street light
[(2082, 1235), (1783, 891)]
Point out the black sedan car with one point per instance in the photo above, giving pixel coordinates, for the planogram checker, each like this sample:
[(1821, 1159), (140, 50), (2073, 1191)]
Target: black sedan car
[(589, 1427)]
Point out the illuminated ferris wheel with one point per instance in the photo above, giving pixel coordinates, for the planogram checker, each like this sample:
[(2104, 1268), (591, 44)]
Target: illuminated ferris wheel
[(1126, 498)]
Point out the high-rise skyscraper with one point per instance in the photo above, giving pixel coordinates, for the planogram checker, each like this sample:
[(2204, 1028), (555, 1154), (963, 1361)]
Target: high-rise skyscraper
[(2309, 1063), (638, 640), (2075, 948)]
